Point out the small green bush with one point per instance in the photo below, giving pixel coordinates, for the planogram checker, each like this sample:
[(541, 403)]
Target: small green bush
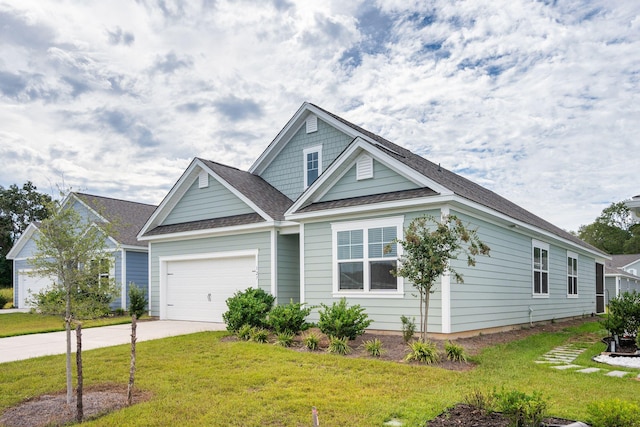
[(250, 307), (3, 301), (374, 347), (285, 339), (311, 341), (244, 332), (522, 410), (455, 353), (137, 301), (423, 351), (624, 314), (614, 413), (478, 399), (340, 320), (290, 317), (408, 328), (339, 345), (260, 335)]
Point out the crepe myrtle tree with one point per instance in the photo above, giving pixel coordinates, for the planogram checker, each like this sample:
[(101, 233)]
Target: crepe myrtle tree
[(74, 250), (429, 246)]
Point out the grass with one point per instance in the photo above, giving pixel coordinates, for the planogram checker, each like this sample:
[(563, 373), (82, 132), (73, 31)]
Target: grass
[(200, 380), (13, 324)]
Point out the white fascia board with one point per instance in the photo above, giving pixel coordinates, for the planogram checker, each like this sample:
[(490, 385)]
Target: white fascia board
[(22, 240), (519, 226), (133, 248), (170, 200), (342, 164), (212, 232), (235, 192)]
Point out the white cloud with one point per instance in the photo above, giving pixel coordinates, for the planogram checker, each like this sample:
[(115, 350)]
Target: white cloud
[(538, 101)]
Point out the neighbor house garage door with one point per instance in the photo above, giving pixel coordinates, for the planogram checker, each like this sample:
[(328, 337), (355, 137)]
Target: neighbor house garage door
[(198, 289), (29, 285)]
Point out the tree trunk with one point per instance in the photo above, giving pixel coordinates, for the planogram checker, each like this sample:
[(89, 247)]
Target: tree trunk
[(132, 367), (427, 296), (80, 410), (67, 322)]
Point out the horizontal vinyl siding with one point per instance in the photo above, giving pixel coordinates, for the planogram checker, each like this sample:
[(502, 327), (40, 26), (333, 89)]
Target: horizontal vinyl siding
[(286, 171), (384, 180), (214, 201), (29, 247), (288, 269), (260, 241), (137, 267), (498, 290), (117, 277)]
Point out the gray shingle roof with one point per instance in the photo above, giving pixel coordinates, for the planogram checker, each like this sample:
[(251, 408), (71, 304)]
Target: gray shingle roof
[(619, 261), (463, 187), (127, 218), (205, 224), (367, 200)]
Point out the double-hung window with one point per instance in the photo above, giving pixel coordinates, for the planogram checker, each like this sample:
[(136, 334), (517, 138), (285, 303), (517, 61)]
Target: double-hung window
[(540, 269), (364, 255), (572, 274), (312, 165)]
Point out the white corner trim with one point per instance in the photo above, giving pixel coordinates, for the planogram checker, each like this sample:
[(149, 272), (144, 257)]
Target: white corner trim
[(445, 290), (274, 264), (301, 249)]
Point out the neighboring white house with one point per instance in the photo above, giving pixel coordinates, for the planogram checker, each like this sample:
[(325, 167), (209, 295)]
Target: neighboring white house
[(622, 274), (130, 256), (309, 222)]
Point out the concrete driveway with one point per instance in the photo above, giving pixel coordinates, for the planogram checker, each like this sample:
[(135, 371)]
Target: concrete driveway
[(36, 345)]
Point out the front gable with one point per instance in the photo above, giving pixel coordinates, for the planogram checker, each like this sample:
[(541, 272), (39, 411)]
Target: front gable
[(206, 200)]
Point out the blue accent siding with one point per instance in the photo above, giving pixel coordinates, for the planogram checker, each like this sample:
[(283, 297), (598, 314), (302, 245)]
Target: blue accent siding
[(286, 171), (288, 268), (137, 271)]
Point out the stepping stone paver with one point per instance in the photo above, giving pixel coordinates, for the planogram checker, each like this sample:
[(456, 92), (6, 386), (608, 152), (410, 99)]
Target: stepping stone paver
[(563, 367), (589, 370), (618, 374)]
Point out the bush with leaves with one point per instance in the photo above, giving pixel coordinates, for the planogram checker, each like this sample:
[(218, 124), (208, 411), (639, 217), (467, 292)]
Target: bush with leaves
[(522, 410), (614, 413), (137, 301), (624, 314), (408, 328), (311, 341), (374, 347), (244, 332), (3, 301), (423, 351), (260, 335), (340, 320), (285, 339), (339, 345), (248, 307), (455, 352), (290, 317)]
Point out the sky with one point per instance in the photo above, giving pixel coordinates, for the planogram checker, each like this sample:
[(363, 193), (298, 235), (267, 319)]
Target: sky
[(539, 101)]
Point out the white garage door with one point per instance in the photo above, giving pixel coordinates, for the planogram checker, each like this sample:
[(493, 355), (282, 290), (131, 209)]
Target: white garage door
[(198, 289), (29, 285)]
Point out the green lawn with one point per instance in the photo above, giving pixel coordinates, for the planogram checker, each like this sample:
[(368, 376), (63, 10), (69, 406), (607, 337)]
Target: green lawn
[(13, 324), (198, 380)]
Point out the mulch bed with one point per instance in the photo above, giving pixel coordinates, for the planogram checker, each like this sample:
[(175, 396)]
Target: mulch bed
[(463, 415)]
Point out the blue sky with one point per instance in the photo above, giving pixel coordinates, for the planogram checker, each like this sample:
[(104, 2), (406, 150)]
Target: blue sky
[(538, 101)]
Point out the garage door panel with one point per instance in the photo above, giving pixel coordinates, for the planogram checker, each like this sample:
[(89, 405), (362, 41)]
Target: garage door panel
[(198, 289), (30, 285)]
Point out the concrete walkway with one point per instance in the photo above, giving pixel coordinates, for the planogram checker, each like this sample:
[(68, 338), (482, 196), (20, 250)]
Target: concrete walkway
[(36, 345)]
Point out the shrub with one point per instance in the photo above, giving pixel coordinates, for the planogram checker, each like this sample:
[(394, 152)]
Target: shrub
[(614, 413), (624, 314), (339, 345), (119, 312), (137, 301), (423, 351), (285, 339), (523, 410), (244, 332), (250, 307), (290, 317), (3, 301), (408, 328), (260, 335), (478, 399), (340, 320), (311, 341), (374, 347), (455, 352)]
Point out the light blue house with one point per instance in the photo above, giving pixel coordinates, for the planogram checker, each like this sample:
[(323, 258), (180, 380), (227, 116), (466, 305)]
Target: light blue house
[(130, 256), (622, 274), (308, 222)]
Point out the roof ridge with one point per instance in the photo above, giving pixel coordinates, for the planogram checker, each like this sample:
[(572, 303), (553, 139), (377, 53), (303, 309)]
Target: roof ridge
[(112, 198)]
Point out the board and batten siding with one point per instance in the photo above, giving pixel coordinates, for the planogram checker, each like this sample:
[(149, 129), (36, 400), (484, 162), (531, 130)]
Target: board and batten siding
[(384, 180), (213, 201), (498, 291), (384, 311), (260, 241), (286, 171), (288, 268)]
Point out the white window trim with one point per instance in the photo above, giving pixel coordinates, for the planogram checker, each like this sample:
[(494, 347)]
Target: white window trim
[(577, 276), (543, 246), (316, 149), (364, 225)]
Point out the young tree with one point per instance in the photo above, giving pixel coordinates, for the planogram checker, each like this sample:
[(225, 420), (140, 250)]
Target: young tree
[(429, 246), (19, 206), (137, 308), (74, 250)]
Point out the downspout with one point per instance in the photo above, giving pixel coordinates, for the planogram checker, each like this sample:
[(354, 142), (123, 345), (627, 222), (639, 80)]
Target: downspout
[(530, 316)]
